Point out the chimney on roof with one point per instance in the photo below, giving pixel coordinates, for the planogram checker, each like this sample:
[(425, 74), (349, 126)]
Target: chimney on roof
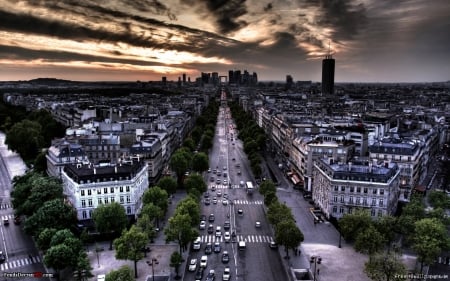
[(115, 169), (370, 167), (349, 166), (95, 171)]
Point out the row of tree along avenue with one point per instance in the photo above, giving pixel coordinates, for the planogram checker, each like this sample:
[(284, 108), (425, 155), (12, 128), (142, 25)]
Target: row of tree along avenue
[(253, 137), (280, 216), (39, 200), (425, 231)]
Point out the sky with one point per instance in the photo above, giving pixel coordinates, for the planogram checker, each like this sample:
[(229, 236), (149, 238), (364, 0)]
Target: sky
[(129, 40)]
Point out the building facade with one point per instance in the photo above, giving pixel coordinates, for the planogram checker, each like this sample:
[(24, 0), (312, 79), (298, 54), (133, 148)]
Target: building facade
[(340, 189), (87, 186), (328, 75)]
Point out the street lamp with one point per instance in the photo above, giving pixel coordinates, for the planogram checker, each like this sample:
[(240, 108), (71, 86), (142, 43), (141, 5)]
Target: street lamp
[(152, 263), (315, 260), (79, 275)]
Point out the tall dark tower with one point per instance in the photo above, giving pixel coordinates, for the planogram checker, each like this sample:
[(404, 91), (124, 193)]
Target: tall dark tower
[(328, 74)]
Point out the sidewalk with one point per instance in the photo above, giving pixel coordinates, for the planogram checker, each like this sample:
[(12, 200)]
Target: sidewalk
[(322, 240)]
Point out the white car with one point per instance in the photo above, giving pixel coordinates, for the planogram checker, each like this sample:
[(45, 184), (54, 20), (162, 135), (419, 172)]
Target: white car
[(226, 274), (257, 224), (101, 277), (227, 236), (202, 225), (225, 202), (193, 265), (204, 261)]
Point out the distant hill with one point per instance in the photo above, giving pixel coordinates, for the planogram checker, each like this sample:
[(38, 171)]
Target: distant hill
[(50, 81)]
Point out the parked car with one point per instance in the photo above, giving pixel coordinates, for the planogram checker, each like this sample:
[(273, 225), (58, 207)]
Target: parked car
[(193, 265)]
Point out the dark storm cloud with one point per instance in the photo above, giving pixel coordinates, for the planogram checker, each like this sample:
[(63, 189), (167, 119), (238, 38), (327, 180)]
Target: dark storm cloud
[(227, 13), (12, 53)]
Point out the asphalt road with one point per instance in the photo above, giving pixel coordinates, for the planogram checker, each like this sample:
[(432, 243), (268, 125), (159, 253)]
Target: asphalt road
[(257, 261)]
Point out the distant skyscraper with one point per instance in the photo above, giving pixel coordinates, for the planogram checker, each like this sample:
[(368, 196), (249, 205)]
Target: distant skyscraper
[(184, 78), (328, 75), (289, 81)]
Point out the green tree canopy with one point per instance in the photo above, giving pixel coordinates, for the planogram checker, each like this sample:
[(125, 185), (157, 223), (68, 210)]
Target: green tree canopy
[(175, 261), (189, 143), (157, 196), (25, 137), (195, 182), (110, 218), (59, 257), (369, 241), (270, 198), (146, 225), (266, 187), (288, 234), (385, 267), (180, 230), (179, 163), (44, 238), (124, 273), (169, 184), (279, 212), (53, 214), (129, 246), (352, 224), (191, 207), (153, 212), (200, 162)]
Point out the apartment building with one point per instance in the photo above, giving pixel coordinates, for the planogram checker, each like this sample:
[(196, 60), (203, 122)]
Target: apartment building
[(340, 188), (87, 186), (63, 152)]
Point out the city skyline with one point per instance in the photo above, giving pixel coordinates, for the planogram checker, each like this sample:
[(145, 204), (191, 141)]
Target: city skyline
[(372, 41)]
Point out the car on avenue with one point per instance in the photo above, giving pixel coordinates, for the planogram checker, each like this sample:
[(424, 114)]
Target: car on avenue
[(204, 261), (226, 274), (193, 265)]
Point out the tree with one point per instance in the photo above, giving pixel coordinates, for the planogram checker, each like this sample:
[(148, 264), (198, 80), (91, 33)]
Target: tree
[(157, 196), (40, 163), (179, 163), (369, 241), (22, 189), (43, 189), (387, 226), (352, 224), (58, 257), (270, 198), (175, 261), (191, 207), (83, 265), (153, 212), (266, 187), (180, 230), (169, 184), (189, 143), (195, 181), (430, 238), (279, 212), (385, 267), (124, 273), (129, 246), (439, 199), (207, 141), (289, 235), (44, 238), (53, 214), (25, 137), (146, 225), (256, 169), (200, 162), (110, 218)]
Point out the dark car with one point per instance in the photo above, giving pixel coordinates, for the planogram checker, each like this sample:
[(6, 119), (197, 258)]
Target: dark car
[(202, 218), (226, 225), (207, 201), (273, 245), (199, 274), (17, 220), (225, 257), (211, 218), (210, 229), (2, 257), (211, 276), (217, 247), (208, 249)]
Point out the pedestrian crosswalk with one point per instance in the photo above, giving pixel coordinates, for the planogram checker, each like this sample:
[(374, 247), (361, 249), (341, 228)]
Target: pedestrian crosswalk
[(4, 217), (246, 238), (225, 186), (247, 202), (15, 263), (5, 206)]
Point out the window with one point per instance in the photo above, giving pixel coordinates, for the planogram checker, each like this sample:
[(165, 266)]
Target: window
[(374, 191), (374, 202), (352, 189), (83, 203), (112, 189), (99, 191), (99, 201), (358, 189), (358, 201), (381, 203), (381, 191), (89, 192), (365, 201), (372, 212), (128, 210), (342, 198), (90, 202), (366, 189), (335, 199), (113, 199), (128, 199), (121, 189), (380, 213), (90, 213), (343, 188), (84, 214), (336, 188), (350, 210), (350, 200), (128, 188), (341, 210), (121, 200), (106, 200), (82, 192), (334, 209), (105, 190)]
